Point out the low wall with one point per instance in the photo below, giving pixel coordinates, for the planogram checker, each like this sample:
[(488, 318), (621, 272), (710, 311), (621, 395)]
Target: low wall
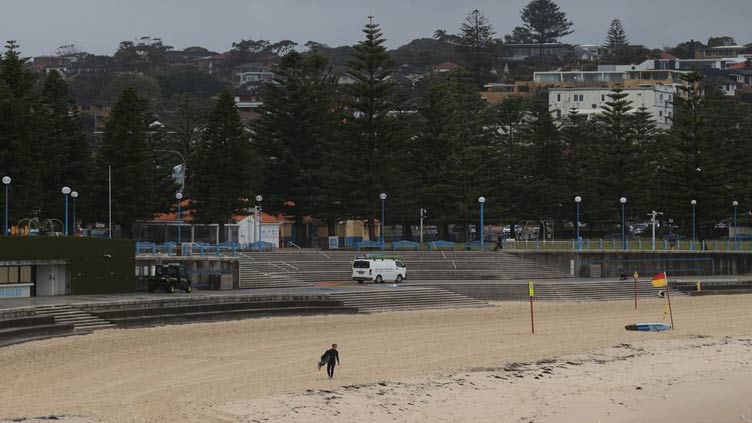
[(677, 263), (199, 269)]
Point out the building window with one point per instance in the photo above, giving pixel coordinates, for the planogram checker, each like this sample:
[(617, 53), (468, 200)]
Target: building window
[(660, 113), (603, 97), (579, 97), (558, 114), (558, 97)]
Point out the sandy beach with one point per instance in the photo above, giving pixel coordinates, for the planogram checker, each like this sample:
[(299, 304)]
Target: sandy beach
[(478, 365)]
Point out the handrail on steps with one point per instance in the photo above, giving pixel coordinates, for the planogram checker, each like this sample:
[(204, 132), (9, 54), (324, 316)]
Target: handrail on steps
[(292, 244)]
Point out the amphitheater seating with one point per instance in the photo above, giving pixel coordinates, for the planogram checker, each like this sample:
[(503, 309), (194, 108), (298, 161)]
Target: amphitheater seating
[(301, 268), (22, 329), (154, 314)]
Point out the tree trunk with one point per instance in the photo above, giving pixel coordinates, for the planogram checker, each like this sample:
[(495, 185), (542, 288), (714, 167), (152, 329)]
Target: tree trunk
[(300, 231), (331, 226), (372, 228)]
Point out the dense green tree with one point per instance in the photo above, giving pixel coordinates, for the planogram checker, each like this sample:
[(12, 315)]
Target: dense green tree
[(686, 50), (189, 80), (64, 154), (698, 165), (724, 40), (546, 21), (138, 183), (477, 44), (295, 136), (371, 143), (18, 133), (225, 170), (616, 37), (520, 35), (463, 171)]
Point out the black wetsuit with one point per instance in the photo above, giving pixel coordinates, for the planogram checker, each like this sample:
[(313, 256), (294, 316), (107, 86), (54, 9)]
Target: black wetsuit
[(330, 356)]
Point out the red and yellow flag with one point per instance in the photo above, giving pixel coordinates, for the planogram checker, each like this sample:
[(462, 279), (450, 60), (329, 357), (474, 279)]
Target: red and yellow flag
[(659, 280)]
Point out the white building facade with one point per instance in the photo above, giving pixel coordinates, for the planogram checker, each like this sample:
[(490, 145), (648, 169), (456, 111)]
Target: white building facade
[(657, 99)]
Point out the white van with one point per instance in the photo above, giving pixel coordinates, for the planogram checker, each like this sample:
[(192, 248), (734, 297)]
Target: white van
[(378, 270)]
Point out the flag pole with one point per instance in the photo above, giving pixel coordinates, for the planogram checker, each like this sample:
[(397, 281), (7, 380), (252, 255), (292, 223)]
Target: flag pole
[(531, 293), (668, 296)]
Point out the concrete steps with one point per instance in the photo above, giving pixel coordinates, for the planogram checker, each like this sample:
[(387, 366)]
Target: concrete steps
[(302, 268), (405, 298), (81, 320)]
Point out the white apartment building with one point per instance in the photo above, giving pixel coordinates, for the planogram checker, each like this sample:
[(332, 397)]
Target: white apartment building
[(255, 77), (657, 99)]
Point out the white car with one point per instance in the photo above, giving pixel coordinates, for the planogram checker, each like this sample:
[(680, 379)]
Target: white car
[(378, 270)]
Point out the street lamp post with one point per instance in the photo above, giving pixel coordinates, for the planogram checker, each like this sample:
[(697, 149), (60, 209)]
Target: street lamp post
[(6, 182), (179, 197), (259, 199), (482, 201), (382, 196), (74, 195), (577, 201), (694, 214), (66, 191), (183, 158), (623, 201), (736, 205)]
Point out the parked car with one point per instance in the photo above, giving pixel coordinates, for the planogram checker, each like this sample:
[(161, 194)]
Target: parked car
[(378, 270)]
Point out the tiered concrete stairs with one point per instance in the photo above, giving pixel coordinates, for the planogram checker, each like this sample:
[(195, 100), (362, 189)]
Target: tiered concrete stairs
[(404, 298), (81, 320), (301, 268)]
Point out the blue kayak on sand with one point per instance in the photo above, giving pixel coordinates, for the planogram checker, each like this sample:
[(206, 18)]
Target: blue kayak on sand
[(648, 327)]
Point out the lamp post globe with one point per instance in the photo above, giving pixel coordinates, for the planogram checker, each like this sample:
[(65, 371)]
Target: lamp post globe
[(259, 198), (66, 191), (179, 195), (693, 202), (382, 196), (74, 194), (735, 203), (578, 199), (6, 181), (623, 200), (481, 200)]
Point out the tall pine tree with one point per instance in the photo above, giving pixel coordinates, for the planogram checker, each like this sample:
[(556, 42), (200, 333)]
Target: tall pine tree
[(370, 131), (616, 37), (295, 134), (137, 182), (225, 172), (64, 153), (546, 21), (477, 43), (18, 134)]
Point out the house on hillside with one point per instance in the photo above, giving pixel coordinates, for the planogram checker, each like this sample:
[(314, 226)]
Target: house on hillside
[(211, 64), (720, 51), (445, 67), (47, 64), (520, 52), (658, 100), (589, 52)]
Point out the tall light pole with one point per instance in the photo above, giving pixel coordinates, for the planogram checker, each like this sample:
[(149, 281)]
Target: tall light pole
[(736, 205), (74, 195), (66, 192), (259, 199), (6, 182), (694, 214), (623, 201), (382, 196), (422, 216), (482, 201), (577, 201), (179, 197)]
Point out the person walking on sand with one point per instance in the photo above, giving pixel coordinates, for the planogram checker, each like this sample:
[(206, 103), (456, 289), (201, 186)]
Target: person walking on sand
[(329, 357)]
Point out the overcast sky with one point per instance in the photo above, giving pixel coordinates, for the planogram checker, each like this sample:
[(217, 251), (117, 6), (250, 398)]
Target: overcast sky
[(97, 26)]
